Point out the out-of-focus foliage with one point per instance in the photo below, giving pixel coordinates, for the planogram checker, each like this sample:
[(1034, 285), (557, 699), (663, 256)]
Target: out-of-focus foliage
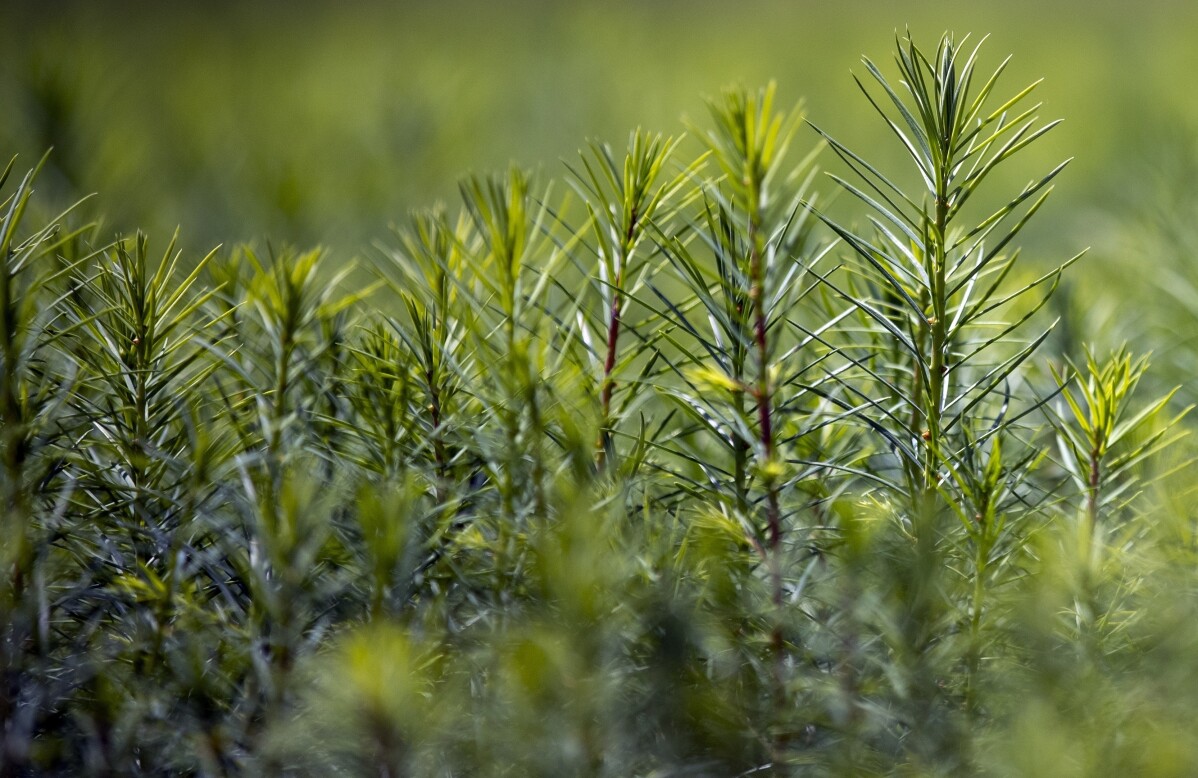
[(696, 463), (317, 122)]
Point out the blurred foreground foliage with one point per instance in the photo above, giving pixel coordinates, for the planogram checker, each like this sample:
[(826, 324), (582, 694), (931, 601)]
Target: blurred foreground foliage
[(666, 470)]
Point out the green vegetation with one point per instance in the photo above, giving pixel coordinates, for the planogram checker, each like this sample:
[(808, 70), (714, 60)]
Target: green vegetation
[(696, 462)]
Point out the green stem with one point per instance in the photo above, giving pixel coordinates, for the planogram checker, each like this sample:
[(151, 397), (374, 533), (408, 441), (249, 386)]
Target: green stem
[(1093, 500), (1093, 488), (16, 503), (975, 620), (937, 368)]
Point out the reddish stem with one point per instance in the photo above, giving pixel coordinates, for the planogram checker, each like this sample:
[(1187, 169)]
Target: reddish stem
[(613, 341)]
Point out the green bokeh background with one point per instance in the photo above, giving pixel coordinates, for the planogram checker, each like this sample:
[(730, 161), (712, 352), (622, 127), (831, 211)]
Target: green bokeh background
[(323, 123)]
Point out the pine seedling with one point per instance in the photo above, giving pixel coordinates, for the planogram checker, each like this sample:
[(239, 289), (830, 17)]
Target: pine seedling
[(274, 382), (36, 382), (281, 538), (734, 338), (623, 201), (433, 334), (946, 335), (509, 344), (1103, 438), (742, 360), (134, 324), (943, 275), (381, 431)]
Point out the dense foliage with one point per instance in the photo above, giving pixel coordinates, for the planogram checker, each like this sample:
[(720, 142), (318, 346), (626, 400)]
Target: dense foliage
[(679, 468)]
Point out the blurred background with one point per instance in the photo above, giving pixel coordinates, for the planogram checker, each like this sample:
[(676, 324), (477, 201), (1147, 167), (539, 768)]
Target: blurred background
[(323, 123), (317, 122)]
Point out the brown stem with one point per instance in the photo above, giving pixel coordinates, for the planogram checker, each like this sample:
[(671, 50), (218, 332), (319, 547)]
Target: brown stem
[(763, 394), (439, 453), (609, 385), (765, 419), (613, 342), (1093, 488)]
